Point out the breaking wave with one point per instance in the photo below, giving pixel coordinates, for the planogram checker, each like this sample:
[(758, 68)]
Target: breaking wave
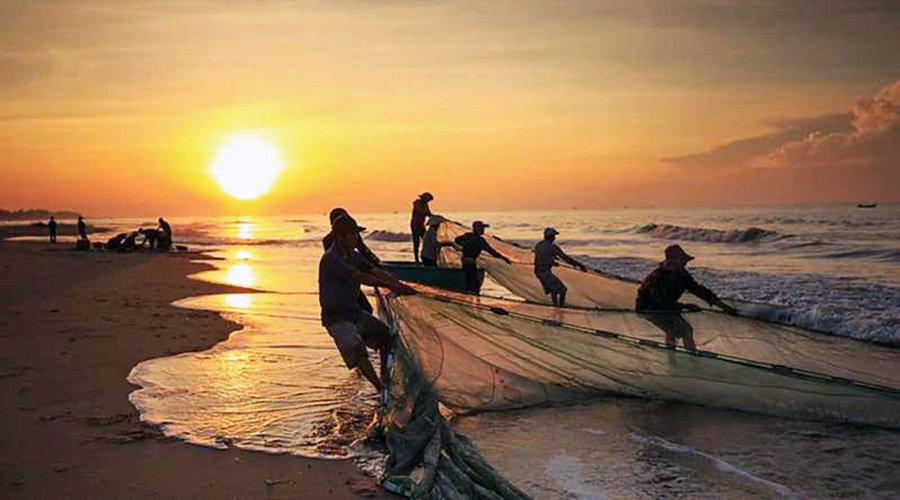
[(670, 232), (388, 236)]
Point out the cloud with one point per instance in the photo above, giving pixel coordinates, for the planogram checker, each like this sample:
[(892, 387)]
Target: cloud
[(869, 135), (874, 140), (743, 152)]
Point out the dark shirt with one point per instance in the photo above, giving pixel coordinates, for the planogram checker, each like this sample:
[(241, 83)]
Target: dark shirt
[(662, 288), (369, 255), (82, 229), (420, 212), (166, 227), (339, 286), (473, 244), (52, 225)]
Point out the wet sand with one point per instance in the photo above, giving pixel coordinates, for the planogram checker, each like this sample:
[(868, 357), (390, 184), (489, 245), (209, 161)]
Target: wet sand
[(72, 326)]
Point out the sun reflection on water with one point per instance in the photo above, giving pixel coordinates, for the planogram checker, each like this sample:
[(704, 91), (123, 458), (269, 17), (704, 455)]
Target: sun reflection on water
[(239, 300), (245, 230), (241, 274)]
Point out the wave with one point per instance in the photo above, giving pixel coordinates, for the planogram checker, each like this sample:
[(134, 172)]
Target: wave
[(878, 254), (389, 236), (670, 232)]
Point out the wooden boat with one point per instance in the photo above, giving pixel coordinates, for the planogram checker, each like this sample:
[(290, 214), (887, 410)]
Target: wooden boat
[(867, 205), (439, 277)]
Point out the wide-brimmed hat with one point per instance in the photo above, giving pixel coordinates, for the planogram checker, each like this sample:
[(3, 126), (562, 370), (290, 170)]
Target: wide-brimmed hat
[(345, 224), (548, 232), (478, 224), (426, 194), (676, 253), (341, 212)]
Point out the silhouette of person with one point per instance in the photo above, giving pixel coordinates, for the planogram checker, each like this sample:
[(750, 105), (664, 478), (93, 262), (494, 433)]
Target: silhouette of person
[(545, 254), (82, 229), (420, 212), (473, 243), (52, 227), (164, 238), (660, 291), (367, 254), (431, 247), (342, 269)]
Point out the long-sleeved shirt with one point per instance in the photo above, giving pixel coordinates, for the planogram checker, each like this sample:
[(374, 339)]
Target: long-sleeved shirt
[(473, 244), (662, 288)]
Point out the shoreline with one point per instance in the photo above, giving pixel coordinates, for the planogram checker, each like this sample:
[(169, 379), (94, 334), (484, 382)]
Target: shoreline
[(74, 324)]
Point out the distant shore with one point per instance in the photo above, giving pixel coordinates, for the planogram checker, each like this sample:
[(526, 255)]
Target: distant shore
[(73, 325)]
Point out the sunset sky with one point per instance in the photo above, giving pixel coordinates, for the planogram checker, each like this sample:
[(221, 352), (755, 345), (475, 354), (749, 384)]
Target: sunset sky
[(120, 107)]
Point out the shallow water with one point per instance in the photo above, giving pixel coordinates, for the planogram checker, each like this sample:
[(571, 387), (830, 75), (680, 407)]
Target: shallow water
[(279, 385)]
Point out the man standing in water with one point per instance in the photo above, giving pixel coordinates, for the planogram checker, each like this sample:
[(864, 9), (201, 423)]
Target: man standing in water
[(473, 243), (545, 254), (420, 212), (659, 293), (341, 271), (52, 227), (361, 247)]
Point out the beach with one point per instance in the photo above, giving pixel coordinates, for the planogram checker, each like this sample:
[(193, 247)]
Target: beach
[(73, 325)]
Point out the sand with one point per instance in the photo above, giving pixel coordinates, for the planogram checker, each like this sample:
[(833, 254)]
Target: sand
[(72, 326)]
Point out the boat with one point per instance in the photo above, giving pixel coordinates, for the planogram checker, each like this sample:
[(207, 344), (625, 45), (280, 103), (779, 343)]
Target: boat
[(867, 205), (447, 278)]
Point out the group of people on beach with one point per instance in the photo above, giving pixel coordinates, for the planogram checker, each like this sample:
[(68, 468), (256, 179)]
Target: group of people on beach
[(348, 263), (156, 238)]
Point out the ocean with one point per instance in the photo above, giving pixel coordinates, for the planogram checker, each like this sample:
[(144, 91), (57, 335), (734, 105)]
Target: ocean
[(278, 385)]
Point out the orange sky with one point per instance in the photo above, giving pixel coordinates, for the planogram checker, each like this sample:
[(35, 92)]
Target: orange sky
[(115, 107)]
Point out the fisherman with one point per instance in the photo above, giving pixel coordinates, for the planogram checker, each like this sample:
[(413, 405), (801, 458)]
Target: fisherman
[(341, 271), (52, 226), (82, 229), (431, 247), (361, 247), (545, 254), (473, 243), (659, 293), (164, 235), (420, 212), (360, 244)]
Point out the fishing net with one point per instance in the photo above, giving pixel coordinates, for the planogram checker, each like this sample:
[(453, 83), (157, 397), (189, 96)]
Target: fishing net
[(483, 354), (474, 354)]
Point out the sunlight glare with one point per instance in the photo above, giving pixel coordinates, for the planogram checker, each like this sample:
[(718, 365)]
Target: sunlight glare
[(246, 167)]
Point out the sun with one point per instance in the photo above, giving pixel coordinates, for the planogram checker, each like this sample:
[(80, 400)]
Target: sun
[(246, 167)]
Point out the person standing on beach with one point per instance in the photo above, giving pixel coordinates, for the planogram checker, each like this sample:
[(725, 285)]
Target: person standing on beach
[(341, 271), (420, 212), (52, 227), (545, 254), (164, 237), (473, 243), (360, 247), (82, 229), (660, 291)]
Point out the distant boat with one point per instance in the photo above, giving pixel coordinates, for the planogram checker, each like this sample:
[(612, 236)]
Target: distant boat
[(867, 205)]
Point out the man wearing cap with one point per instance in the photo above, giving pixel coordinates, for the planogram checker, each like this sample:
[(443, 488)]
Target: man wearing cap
[(420, 212), (545, 254), (661, 289), (341, 271), (431, 247), (473, 243)]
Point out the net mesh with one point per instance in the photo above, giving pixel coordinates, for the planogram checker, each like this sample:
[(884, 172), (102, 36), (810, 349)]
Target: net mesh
[(476, 354)]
